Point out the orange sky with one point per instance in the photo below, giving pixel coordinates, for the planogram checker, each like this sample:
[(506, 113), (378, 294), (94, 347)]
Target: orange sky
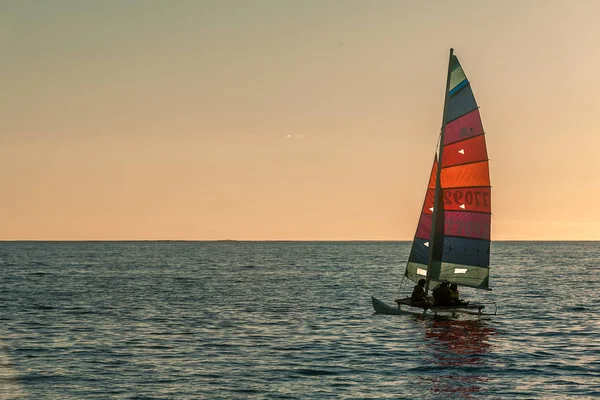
[(286, 120)]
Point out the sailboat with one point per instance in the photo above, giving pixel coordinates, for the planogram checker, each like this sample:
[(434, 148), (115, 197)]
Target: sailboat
[(452, 242)]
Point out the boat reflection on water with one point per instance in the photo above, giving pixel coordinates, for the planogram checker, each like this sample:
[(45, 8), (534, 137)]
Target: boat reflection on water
[(456, 351), (9, 377)]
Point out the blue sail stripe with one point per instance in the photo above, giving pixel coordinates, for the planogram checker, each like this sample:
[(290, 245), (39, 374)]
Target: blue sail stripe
[(419, 252), (466, 251), (458, 87), (461, 103)]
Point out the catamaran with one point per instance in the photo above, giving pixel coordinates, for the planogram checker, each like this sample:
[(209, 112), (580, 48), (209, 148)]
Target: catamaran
[(452, 242)]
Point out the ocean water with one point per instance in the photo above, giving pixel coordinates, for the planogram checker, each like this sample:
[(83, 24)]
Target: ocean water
[(288, 320)]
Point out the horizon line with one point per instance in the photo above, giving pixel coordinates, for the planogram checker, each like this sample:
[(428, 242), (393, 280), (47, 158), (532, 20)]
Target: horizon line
[(274, 240)]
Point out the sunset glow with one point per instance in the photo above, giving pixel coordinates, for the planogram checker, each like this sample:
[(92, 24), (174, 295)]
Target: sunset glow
[(281, 120)]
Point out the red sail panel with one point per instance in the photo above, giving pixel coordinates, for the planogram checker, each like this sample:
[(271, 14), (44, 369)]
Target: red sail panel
[(468, 225), (476, 199), (433, 175), (429, 201), (467, 126), (424, 227), (466, 151), (467, 175)]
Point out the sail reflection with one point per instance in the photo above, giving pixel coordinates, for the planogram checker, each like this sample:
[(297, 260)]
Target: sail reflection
[(9, 387), (457, 352)]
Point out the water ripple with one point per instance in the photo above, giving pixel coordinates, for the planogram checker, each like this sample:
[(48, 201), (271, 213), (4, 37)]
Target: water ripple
[(229, 320)]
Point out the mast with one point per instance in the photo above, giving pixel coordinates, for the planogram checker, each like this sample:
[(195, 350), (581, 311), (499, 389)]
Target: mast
[(438, 174)]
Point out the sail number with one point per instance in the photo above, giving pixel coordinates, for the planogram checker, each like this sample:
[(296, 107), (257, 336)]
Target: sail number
[(480, 198), (471, 229), (464, 132)]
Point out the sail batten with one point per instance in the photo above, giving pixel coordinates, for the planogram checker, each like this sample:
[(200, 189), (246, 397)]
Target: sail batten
[(463, 163), (464, 139), (473, 212), (472, 187)]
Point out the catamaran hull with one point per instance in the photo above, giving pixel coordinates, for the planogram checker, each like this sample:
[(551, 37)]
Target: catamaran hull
[(383, 308)]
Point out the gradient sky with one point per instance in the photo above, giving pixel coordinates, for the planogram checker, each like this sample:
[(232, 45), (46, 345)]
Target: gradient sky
[(305, 120)]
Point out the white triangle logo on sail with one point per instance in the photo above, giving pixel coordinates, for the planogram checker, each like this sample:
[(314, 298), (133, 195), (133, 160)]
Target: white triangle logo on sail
[(462, 151), (431, 209), (462, 206), (426, 244)]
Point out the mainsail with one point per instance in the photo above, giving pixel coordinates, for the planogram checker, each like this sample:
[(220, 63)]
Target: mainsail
[(452, 242)]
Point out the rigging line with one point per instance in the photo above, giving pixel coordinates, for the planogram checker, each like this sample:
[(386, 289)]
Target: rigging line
[(403, 283)]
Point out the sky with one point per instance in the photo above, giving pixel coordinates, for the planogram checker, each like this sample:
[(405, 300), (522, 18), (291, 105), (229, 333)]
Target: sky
[(288, 120)]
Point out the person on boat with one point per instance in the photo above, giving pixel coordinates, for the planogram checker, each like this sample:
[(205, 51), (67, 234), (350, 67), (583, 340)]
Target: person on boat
[(418, 297), (441, 295), (455, 296)]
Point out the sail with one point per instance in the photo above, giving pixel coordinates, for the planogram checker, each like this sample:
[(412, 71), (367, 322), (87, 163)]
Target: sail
[(418, 259), (464, 252), (461, 232)]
